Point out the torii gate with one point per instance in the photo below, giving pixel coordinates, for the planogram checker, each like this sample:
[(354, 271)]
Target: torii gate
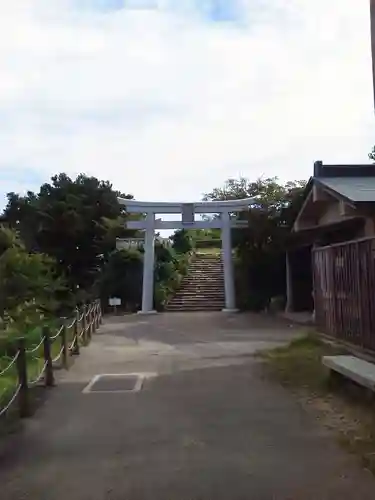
[(188, 211)]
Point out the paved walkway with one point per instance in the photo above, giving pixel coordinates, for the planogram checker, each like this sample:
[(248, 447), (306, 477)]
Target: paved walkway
[(207, 427)]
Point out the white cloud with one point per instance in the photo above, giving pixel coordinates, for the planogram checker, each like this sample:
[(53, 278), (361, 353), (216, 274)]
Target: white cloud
[(167, 104)]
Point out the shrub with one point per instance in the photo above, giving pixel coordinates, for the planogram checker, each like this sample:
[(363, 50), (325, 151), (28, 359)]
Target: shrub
[(181, 241)]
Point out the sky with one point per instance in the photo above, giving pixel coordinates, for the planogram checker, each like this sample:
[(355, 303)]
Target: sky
[(169, 98)]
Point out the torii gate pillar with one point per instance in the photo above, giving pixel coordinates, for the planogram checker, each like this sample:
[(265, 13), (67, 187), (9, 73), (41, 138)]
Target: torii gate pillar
[(148, 266), (226, 243)]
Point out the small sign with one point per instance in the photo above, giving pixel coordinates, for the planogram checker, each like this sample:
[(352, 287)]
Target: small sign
[(114, 301)]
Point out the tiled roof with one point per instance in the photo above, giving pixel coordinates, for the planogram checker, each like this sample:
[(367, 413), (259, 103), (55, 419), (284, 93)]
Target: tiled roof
[(356, 189)]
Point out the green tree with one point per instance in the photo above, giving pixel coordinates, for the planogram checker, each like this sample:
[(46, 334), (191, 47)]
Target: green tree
[(122, 278), (261, 246), (29, 285), (74, 221), (181, 241)]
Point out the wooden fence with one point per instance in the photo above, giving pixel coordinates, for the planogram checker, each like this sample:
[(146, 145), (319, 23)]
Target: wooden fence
[(35, 366), (344, 291)]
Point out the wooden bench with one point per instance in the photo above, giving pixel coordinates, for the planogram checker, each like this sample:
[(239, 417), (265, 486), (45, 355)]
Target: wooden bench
[(360, 371)]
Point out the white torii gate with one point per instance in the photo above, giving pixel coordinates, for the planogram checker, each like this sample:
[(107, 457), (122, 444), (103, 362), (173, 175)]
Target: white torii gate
[(188, 211)]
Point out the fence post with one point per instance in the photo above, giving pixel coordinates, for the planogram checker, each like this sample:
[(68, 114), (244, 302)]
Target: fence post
[(96, 315), (65, 346), (76, 333), (84, 324), (94, 318), (24, 401), (93, 328), (49, 378), (100, 312), (90, 322)]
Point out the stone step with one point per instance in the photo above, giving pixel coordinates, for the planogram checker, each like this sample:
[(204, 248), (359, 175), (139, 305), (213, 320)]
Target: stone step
[(200, 293), (200, 296), (205, 271), (218, 305), (198, 307), (203, 287), (196, 277), (197, 299), (194, 280), (200, 286)]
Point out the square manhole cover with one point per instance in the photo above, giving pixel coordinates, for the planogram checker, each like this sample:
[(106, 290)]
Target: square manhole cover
[(129, 382)]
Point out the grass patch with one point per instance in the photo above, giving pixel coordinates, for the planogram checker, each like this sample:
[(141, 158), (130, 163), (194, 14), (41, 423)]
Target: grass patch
[(346, 409), (299, 363)]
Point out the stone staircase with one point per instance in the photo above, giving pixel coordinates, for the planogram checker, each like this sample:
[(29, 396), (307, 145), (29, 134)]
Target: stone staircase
[(202, 289)]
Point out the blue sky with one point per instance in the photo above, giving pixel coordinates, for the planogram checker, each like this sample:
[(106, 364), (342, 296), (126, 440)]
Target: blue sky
[(169, 98)]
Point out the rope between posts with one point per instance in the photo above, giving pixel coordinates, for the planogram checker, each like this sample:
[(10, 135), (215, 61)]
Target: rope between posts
[(34, 382), (72, 324), (10, 364), (89, 325), (34, 349), (6, 408), (73, 343), (58, 356), (57, 334)]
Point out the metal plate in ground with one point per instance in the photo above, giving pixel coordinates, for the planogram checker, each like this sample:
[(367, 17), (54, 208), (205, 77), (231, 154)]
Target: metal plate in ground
[(116, 382)]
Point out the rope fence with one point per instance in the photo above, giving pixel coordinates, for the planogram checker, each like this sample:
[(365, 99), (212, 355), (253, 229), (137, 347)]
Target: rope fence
[(35, 365), (10, 365)]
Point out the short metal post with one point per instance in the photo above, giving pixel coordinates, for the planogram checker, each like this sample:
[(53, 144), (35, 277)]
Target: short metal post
[(76, 333), (49, 378), (24, 400), (65, 346)]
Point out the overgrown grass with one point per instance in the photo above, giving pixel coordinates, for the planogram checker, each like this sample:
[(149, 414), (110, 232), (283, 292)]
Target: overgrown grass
[(299, 363), (346, 409)]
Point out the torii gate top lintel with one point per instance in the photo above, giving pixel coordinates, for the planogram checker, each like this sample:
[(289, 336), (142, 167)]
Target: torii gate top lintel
[(162, 207)]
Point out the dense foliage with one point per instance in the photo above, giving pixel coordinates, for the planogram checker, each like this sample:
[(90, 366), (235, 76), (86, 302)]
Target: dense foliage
[(30, 287), (75, 222), (182, 241)]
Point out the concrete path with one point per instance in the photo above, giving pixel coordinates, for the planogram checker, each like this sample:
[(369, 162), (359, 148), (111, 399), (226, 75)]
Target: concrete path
[(207, 426)]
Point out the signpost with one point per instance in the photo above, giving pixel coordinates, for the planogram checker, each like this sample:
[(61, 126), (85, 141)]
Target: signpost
[(114, 302)]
